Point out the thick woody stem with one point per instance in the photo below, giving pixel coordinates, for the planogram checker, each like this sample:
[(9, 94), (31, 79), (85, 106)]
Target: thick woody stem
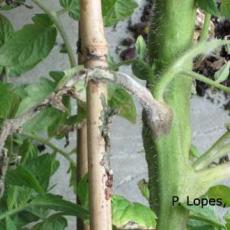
[(94, 52)]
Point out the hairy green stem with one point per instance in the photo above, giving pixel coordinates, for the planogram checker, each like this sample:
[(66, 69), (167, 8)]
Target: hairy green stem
[(172, 72), (54, 17), (205, 30), (51, 145), (220, 148), (168, 155)]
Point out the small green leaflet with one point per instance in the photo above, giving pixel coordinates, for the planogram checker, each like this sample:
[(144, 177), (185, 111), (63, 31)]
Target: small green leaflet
[(209, 6), (83, 191), (21, 176), (54, 222), (117, 10), (6, 29), (43, 167), (141, 48), (27, 47), (144, 189), (225, 8), (17, 196), (50, 201), (194, 152), (223, 73), (43, 121), (113, 10), (42, 19), (124, 212), (141, 69), (220, 191), (122, 103), (8, 100), (72, 7), (199, 225), (35, 93), (56, 203)]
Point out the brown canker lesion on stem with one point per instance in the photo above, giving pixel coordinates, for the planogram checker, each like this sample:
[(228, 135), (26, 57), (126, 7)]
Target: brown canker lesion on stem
[(157, 111)]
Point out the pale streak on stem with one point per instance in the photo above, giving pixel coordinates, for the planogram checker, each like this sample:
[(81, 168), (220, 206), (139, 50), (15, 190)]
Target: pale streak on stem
[(219, 149), (214, 175)]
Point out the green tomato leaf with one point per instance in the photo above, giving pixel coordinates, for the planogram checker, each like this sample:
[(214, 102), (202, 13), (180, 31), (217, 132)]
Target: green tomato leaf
[(27, 47), (125, 212), (8, 100), (27, 151), (21, 176), (209, 6), (6, 29), (223, 73), (73, 177), (43, 167), (45, 202), (220, 191), (141, 69), (17, 196), (57, 203), (227, 219), (194, 152), (10, 224), (225, 8), (57, 76), (54, 222), (73, 8), (24, 218), (199, 225), (47, 118), (42, 19), (117, 10), (36, 93), (83, 192), (206, 214), (141, 47), (123, 103)]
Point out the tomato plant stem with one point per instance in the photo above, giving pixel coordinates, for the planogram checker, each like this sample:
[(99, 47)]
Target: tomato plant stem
[(167, 156), (206, 80), (205, 30), (220, 148)]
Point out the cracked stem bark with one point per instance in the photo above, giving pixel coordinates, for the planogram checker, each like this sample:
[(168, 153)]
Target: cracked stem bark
[(94, 52)]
